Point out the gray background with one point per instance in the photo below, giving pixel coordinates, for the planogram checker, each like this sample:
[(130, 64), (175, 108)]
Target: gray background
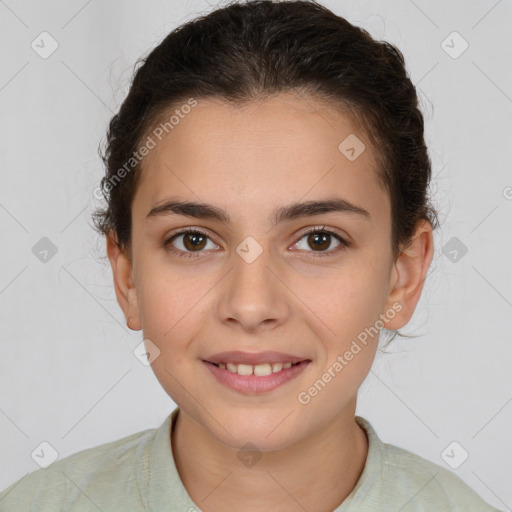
[(68, 374)]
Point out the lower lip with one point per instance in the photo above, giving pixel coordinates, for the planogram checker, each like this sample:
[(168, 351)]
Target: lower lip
[(252, 383)]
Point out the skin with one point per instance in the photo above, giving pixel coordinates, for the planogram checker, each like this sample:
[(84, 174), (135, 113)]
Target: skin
[(308, 302)]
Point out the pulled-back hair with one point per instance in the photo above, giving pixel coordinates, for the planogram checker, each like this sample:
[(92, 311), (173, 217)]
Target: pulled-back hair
[(244, 52)]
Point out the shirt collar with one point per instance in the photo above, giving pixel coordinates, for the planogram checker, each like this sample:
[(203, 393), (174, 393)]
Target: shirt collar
[(166, 488)]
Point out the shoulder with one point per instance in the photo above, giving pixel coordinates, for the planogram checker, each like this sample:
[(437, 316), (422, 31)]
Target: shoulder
[(82, 479), (425, 483), (395, 478)]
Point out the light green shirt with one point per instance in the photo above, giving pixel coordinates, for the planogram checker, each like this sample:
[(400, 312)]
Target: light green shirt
[(137, 473)]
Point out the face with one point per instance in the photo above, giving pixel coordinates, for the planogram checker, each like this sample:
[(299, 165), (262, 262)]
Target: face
[(304, 285)]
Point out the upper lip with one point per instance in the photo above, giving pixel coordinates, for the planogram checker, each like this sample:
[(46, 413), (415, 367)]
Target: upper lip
[(253, 358)]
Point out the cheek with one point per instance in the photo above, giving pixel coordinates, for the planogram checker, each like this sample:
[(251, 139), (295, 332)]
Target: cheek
[(169, 302), (170, 307), (345, 322), (345, 302)]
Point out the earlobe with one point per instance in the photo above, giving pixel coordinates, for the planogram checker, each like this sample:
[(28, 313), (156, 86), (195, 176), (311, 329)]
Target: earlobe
[(124, 286), (408, 275)]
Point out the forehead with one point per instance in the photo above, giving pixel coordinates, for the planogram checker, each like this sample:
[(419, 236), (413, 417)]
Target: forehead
[(267, 152)]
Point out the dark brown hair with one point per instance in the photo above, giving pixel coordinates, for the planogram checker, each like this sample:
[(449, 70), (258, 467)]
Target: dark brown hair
[(243, 52)]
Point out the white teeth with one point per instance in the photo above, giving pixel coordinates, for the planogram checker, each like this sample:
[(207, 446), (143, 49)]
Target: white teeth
[(261, 370), (233, 368), (245, 369)]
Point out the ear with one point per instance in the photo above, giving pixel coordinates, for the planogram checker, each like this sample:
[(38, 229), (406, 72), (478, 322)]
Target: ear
[(408, 275), (121, 263)]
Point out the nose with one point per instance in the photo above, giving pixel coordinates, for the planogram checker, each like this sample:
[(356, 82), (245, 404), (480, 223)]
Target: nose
[(253, 295)]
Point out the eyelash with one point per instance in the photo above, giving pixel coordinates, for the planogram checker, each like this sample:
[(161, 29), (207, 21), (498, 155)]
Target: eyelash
[(190, 254)]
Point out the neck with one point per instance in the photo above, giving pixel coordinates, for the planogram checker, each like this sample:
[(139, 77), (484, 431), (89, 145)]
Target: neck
[(316, 473)]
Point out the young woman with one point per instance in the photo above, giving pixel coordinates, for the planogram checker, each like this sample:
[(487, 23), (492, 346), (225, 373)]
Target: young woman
[(267, 216)]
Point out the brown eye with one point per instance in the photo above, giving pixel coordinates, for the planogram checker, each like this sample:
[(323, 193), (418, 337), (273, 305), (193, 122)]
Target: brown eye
[(188, 241), (193, 241), (320, 240)]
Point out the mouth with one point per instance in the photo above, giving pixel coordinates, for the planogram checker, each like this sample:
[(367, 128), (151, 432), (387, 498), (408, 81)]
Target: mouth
[(255, 379)]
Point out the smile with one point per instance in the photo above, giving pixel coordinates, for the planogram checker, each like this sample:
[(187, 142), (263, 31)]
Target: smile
[(257, 378)]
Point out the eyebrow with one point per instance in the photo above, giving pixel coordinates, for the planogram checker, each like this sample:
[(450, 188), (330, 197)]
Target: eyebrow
[(293, 211)]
